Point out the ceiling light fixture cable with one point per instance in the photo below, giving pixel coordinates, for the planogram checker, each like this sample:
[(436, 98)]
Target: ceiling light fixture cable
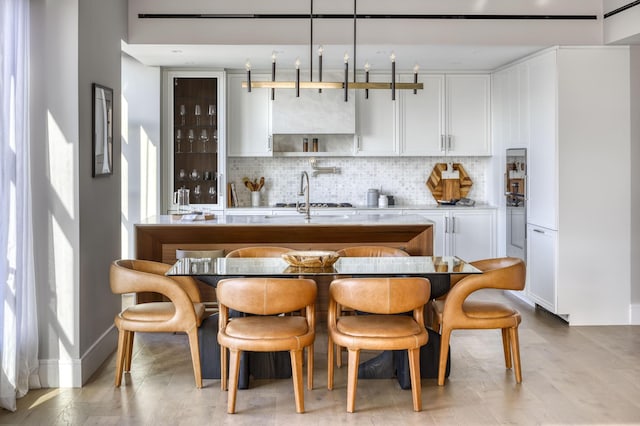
[(344, 85)]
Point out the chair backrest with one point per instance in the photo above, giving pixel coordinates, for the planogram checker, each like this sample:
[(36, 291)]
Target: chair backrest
[(266, 296), (504, 273), (381, 295), (199, 254), (258, 251), (372, 251), (133, 275)]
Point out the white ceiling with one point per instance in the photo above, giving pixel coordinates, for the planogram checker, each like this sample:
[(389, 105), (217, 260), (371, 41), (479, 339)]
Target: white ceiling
[(428, 57)]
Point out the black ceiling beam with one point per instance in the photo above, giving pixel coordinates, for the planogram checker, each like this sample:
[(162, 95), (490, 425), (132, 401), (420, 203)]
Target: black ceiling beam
[(361, 16)]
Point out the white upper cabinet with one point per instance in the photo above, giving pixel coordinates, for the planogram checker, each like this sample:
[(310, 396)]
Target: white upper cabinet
[(248, 118), (542, 155), (377, 129), (450, 116), (422, 117), (467, 115)]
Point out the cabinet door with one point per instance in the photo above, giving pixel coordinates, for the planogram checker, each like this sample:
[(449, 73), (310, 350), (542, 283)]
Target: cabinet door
[(439, 218), (541, 266), (467, 112), (542, 161), (377, 121), (248, 123), (422, 116), (472, 234), (197, 131)]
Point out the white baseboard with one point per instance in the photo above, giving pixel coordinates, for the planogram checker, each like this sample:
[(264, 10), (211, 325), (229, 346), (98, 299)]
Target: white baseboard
[(520, 295), (634, 314), (74, 372)]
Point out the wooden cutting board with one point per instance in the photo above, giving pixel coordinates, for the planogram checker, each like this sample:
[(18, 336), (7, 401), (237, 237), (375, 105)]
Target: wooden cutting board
[(448, 189)]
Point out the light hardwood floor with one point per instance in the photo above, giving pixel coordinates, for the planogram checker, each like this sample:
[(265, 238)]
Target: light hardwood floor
[(571, 375)]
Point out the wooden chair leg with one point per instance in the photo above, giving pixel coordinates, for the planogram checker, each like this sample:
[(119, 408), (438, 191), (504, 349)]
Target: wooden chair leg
[(310, 367), (416, 385), (330, 364), (223, 368), (195, 356), (234, 370), (506, 346), (296, 372), (352, 382), (339, 356), (122, 343), (515, 345), (129, 353), (444, 351)]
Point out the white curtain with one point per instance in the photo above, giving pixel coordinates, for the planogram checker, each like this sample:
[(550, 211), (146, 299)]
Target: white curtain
[(18, 322)]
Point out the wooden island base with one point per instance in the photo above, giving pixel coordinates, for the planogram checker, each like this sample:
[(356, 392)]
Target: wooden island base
[(159, 242)]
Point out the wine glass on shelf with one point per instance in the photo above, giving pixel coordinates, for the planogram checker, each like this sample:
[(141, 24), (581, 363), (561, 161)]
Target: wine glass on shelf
[(183, 112), (212, 112), (191, 137), (204, 137), (178, 140), (198, 113), (197, 193), (212, 193)]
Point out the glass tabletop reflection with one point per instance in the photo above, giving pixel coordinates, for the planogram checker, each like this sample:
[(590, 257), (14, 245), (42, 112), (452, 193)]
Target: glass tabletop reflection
[(362, 266)]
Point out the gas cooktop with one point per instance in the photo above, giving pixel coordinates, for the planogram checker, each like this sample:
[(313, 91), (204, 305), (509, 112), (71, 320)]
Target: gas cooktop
[(315, 205)]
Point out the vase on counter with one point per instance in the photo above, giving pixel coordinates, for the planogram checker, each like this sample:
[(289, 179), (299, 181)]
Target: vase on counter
[(255, 198)]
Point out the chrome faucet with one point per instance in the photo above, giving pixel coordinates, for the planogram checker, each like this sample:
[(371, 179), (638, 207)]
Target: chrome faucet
[(304, 191)]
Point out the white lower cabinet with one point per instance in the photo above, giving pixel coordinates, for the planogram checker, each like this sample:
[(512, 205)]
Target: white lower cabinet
[(542, 246), (468, 234)]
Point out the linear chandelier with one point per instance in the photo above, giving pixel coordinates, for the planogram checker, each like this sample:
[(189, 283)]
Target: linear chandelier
[(344, 85)]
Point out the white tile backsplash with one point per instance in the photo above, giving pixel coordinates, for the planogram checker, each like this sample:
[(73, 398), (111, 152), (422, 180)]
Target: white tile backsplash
[(404, 178)]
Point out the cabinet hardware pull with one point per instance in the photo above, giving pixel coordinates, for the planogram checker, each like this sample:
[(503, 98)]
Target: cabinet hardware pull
[(270, 143), (441, 142), (446, 225), (448, 142), (538, 231), (453, 225)]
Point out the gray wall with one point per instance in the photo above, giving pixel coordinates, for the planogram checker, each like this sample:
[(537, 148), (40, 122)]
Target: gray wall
[(76, 217), (635, 177)]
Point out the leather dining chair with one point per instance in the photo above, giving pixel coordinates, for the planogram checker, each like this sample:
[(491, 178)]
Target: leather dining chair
[(265, 330), (182, 313), (364, 251), (386, 328), (456, 312), (258, 251)]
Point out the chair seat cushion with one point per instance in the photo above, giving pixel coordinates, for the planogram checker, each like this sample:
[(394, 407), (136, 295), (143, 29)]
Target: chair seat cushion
[(479, 309), (267, 327), (378, 326), (485, 310), (156, 311)]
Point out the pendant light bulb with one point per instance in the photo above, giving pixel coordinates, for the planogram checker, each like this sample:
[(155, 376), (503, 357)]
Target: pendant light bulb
[(320, 50)]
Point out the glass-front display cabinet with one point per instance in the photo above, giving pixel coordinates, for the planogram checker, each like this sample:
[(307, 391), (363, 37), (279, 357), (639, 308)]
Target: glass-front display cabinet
[(195, 118)]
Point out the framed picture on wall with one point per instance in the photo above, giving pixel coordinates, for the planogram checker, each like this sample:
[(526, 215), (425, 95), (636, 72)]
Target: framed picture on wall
[(102, 128)]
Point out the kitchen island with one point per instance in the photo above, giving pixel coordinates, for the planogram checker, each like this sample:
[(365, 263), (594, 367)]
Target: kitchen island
[(158, 238)]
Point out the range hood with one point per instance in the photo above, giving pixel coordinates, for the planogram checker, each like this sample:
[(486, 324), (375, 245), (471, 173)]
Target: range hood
[(313, 112)]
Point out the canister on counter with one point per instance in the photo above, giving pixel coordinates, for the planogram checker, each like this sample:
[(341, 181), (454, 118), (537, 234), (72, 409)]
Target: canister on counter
[(315, 144), (305, 144), (372, 197), (383, 201)]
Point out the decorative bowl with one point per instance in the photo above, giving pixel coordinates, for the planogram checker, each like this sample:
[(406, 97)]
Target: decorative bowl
[(311, 258)]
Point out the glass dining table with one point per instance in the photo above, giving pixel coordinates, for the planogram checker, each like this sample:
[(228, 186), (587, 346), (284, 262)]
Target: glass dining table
[(437, 268)]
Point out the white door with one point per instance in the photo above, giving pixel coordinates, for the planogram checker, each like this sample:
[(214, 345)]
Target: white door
[(423, 118), (542, 154), (541, 266), (468, 114), (472, 234), (376, 121), (248, 119)]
